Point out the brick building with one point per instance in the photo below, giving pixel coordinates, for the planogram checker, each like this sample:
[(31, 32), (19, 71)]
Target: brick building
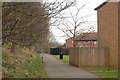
[(69, 42), (83, 40), (108, 26)]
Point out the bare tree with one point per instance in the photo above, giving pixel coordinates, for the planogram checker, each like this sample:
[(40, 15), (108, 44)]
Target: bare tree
[(73, 25), (52, 40), (20, 25), (26, 24)]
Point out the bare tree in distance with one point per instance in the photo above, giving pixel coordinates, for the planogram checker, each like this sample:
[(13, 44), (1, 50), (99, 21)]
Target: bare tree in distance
[(52, 40), (73, 25)]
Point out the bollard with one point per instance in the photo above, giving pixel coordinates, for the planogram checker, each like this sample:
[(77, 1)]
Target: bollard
[(61, 55)]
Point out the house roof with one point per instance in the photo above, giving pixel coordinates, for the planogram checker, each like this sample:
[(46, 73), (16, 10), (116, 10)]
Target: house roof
[(87, 37), (102, 5), (72, 37)]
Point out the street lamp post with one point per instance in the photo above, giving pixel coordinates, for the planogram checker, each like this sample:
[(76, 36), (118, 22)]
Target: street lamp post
[(41, 52), (42, 49)]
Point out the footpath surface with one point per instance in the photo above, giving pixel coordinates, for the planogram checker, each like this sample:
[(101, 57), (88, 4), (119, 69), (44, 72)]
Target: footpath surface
[(58, 69)]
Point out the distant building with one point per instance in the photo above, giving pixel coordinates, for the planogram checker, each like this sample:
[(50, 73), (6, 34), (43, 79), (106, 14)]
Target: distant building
[(83, 40), (69, 42)]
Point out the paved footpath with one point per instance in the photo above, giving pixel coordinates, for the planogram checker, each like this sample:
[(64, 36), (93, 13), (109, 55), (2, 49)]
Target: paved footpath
[(58, 69)]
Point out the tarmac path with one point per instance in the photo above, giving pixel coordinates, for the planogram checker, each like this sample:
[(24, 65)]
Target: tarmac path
[(58, 69)]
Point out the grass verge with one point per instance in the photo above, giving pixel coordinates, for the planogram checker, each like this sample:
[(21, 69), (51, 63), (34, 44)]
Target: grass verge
[(65, 58), (102, 72)]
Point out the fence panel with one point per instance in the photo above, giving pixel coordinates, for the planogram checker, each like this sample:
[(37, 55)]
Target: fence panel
[(65, 51), (55, 51), (90, 56), (72, 56)]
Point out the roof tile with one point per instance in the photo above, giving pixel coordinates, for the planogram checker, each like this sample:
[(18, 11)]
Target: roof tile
[(86, 37)]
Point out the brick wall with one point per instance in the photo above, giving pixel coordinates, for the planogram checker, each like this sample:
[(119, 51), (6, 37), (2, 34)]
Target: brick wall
[(119, 38), (69, 43), (108, 30)]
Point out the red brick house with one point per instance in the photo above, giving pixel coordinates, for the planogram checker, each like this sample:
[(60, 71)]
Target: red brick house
[(83, 40)]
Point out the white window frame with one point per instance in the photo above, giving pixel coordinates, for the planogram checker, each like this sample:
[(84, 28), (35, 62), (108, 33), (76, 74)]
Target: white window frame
[(87, 42), (95, 42), (78, 43)]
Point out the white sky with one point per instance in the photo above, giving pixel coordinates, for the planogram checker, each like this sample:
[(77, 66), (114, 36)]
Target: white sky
[(89, 9)]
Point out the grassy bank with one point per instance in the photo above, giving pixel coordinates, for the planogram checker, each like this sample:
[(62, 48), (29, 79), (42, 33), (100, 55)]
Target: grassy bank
[(101, 72), (65, 58), (22, 64)]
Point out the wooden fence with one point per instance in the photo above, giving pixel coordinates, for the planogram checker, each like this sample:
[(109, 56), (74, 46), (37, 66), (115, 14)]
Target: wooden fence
[(56, 51), (65, 51), (89, 56)]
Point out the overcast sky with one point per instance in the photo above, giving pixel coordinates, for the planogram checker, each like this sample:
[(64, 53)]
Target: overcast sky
[(89, 9)]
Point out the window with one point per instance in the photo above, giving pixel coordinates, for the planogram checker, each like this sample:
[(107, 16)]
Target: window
[(95, 42), (86, 42), (77, 43), (72, 41), (82, 46)]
